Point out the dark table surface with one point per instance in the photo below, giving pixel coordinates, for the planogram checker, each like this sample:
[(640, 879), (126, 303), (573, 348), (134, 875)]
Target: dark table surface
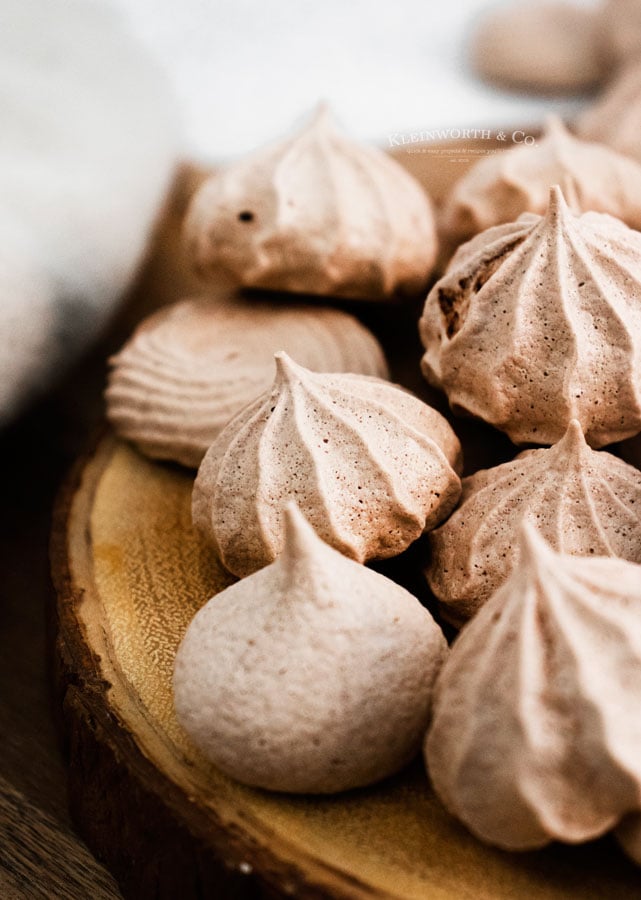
[(40, 856)]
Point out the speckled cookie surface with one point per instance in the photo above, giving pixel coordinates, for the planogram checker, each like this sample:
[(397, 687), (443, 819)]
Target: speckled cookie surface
[(584, 502), (370, 466), (538, 322)]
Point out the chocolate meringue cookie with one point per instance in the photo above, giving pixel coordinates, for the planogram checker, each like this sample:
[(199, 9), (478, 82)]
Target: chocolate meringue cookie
[(316, 213), (538, 322), (313, 675), (584, 502), (536, 728), (369, 464), (189, 368), (551, 47), (499, 188), (615, 119)]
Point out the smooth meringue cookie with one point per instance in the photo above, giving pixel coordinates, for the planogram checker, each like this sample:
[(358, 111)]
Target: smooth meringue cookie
[(619, 24), (615, 119), (316, 213), (538, 322), (313, 675), (369, 464), (189, 368), (499, 188), (551, 47), (536, 727), (585, 502)]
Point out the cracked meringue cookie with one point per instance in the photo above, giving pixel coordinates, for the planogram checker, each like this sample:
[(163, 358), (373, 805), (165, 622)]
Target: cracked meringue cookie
[(551, 47), (189, 368), (371, 466), (499, 188), (536, 729), (585, 502), (316, 213), (313, 675), (615, 119), (538, 322)]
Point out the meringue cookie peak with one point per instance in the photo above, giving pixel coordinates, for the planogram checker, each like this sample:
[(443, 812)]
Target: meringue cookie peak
[(536, 730), (499, 188), (315, 213), (539, 321), (585, 502), (370, 465), (312, 675), (291, 377)]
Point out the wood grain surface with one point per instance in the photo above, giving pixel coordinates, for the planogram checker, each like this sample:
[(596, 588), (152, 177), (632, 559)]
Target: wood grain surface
[(40, 856)]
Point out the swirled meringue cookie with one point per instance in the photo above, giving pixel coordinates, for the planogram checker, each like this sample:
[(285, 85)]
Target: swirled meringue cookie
[(370, 466), (313, 675), (552, 47), (585, 502), (189, 368), (538, 322), (615, 119), (536, 728), (316, 213), (499, 188)]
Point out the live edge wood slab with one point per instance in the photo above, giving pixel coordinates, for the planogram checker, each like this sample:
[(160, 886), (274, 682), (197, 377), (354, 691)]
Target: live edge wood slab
[(130, 572)]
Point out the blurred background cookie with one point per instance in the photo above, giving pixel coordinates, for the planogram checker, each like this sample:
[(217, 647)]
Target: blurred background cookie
[(548, 47)]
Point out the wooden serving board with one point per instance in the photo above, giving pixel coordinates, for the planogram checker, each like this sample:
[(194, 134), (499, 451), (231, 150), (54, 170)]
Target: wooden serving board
[(130, 573)]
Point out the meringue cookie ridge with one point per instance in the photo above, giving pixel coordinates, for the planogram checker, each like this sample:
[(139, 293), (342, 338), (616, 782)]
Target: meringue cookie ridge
[(370, 465), (585, 502), (538, 321)]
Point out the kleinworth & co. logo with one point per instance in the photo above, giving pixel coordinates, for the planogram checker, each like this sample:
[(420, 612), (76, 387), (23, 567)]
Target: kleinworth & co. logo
[(487, 141)]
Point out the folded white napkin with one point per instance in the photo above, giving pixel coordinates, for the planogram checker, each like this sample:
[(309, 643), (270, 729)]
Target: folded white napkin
[(87, 145)]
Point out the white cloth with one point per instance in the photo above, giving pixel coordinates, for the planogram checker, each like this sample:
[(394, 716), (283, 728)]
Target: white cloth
[(87, 144)]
